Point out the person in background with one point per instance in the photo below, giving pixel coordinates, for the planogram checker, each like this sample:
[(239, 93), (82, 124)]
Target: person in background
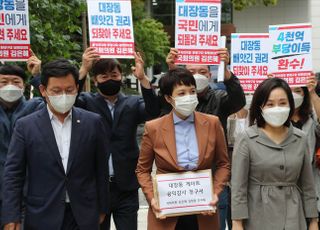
[(183, 140), (122, 114), (13, 105), (272, 185), (306, 118), (63, 150)]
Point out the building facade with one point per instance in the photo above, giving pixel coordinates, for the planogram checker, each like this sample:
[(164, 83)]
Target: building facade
[(252, 20)]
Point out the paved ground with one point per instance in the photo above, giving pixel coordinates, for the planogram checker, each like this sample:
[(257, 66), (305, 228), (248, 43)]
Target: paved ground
[(142, 214)]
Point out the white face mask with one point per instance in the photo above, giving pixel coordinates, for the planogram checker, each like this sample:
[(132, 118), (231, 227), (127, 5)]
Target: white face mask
[(276, 116), (62, 103), (11, 93), (202, 82), (186, 105), (298, 100)]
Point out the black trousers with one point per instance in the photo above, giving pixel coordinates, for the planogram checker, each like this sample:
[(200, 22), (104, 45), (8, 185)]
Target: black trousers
[(124, 209), (69, 222), (187, 223)]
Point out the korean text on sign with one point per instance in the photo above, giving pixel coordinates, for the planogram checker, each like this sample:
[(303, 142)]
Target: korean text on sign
[(198, 31), (14, 30), (184, 193), (249, 59), (290, 54), (111, 28)]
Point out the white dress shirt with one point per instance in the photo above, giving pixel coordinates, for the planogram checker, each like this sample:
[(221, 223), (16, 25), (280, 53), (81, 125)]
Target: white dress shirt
[(62, 133)]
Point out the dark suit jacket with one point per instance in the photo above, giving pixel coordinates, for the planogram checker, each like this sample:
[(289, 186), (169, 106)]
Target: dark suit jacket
[(129, 112), (33, 148), (23, 108)]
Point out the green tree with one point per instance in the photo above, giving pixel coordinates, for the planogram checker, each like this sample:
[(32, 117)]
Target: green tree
[(242, 4), (150, 38), (55, 27)]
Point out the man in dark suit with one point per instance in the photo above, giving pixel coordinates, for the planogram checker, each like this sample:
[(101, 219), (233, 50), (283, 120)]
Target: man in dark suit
[(122, 114), (64, 151), (13, 105)]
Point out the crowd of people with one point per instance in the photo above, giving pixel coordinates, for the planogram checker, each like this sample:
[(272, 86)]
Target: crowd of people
[(70, 159)]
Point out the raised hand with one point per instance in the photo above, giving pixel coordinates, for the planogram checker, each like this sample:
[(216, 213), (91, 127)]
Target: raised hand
[(171, 58), (89, 56), (34, 64), (138, 71)]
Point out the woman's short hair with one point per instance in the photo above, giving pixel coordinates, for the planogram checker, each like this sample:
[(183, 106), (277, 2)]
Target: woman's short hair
[(178, 76), (261, 96)]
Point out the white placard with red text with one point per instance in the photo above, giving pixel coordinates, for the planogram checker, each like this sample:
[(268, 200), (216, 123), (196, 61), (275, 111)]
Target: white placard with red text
[(290, 56), (111, 28), (14, 30), (198, 31), (249, 58), (183, 193)]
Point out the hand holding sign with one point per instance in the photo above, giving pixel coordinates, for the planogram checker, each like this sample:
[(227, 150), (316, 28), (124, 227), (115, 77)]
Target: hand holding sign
[(224, 57), (213, 203), (89, 56), (312, 83), (138, 71), (34, 64), (156, 209), (171, 58)]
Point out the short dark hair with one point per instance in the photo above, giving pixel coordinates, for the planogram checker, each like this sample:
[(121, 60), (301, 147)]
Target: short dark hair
[(178, 76), (103, 66), (208, 66), (58, 68), (261, 96), (13, 70), (305, 110)]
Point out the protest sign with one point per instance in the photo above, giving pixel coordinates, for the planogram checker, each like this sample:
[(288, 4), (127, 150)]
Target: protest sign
[(14, 30), (221, 68), (249, 59), (184, 193), (111, 28), (198, 31), (290, 52)]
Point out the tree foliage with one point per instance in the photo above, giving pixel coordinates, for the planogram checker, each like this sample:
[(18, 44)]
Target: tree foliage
[(56, 31), (242, 4), (55, 27)]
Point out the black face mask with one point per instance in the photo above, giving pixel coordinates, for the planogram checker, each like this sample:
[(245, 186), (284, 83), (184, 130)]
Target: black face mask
[(110, 87)]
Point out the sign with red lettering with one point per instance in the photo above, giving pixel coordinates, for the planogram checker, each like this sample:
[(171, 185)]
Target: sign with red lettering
[(111, 28), (185, 193), (290, 56), (249, 59), (14, 30), (198, 31)]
